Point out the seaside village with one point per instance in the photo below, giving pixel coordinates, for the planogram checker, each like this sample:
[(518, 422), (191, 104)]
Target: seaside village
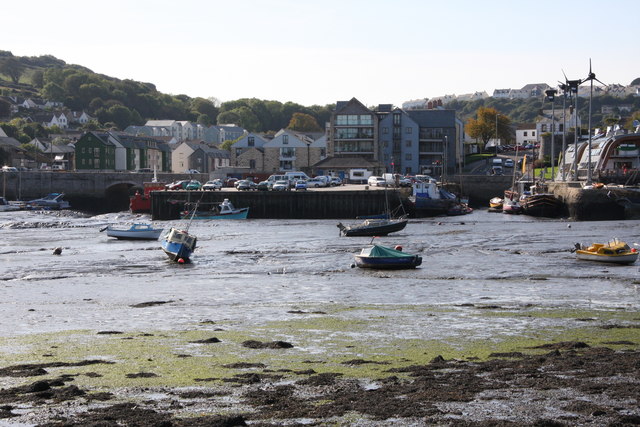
[(422, 145)]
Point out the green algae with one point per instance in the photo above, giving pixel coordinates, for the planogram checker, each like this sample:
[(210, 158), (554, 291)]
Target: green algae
[(324, 343)]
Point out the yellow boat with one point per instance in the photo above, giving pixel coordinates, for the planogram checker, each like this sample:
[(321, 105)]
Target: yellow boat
[(496, 203), (615, 251)]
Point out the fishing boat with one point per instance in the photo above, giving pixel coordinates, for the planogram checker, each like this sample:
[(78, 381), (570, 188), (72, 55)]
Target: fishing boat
[(429, 199), (459, 209), (141, 202), (382, 257), (223, 210), (137, 231), (374, 227), (538, 202), (179, 245), (615, 251), (50, 201)]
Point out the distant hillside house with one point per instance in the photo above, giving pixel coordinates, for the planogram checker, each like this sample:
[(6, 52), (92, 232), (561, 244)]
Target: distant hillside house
[(526, 133), (187, 131)]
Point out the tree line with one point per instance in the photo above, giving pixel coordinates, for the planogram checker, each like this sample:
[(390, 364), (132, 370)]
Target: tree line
[(117, 103)]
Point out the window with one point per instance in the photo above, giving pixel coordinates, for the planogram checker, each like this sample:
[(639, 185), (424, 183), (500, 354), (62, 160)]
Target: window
[(543, 128), (533, 133), (524, 133), (287, 152), (396, 119), (385, 131), (407, 156), (285, 139), (252, 164), (251, 141), (408, 130), (407, 143), (238, 151)]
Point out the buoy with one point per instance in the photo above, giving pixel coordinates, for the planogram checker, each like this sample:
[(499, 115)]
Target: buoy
[(568, 225), (57, 251), (398, 248), (180, 261)]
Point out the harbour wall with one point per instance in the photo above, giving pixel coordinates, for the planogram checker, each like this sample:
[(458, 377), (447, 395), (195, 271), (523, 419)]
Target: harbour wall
[(597, 204)]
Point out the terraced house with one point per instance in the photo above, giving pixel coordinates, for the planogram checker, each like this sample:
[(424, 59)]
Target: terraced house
[(113, 151)]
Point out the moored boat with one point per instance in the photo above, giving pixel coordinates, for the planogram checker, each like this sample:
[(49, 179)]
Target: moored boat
[(5, 206), (135, 232), (374, 227), (429, 199), (50, 201), (382, 257), (223, 210), (179, 245), (615, 251), (496, 203), (141, 202)]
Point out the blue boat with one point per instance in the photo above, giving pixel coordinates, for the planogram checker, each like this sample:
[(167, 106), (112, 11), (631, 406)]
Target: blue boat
[(224, 210), (179, 245), (382, 257), (430, 199)]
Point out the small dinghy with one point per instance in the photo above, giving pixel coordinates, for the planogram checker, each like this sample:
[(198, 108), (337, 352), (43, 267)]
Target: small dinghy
[(382, 257), (135, 232)]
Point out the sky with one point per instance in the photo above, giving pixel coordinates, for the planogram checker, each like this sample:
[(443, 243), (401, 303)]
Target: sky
[(316, 52)]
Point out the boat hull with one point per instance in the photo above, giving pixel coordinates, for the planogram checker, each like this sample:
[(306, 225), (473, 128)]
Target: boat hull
[(239, 214), (611, 259), (388, 263), (178, 245), (152, 234), (541, 205), (382, 229)]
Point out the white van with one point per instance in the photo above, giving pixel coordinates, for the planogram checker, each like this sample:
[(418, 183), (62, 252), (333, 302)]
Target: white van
[(273, 178), (294, 176)]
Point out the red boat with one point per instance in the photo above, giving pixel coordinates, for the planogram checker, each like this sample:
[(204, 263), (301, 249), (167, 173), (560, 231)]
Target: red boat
[(141, 203)]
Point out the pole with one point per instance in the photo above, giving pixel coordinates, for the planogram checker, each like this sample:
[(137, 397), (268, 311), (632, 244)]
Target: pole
[(553, 138), (444, 159), (589, 173), (575, 144), (564, 142), (496, 141)]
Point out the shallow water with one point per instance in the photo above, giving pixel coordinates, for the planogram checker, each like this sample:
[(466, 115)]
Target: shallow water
[(254, 271)]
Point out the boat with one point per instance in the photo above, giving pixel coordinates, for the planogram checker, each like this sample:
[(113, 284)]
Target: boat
[(459, 209), (382, 257), (511, 203), (374, 227), (50, 201), (5, 206), (141, 202), (223, 210), (496, 203), (429, 199), (538, 202), (615, 251), (137, 231), (178, 245)]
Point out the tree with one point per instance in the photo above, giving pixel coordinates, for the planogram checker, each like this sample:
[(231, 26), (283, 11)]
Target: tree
[(488, 121), (635, 82), (303, 123), (12, 68)]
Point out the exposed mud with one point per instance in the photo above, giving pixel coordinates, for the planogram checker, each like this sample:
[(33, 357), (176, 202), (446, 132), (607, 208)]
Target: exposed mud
[(574, 384)]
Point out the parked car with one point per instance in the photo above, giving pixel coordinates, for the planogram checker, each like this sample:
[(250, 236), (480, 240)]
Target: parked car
[(497, 170), (246, 185), (301, 184), (230, 182), (315, 182), (9, 169), (280, 186), (194, 184), (335, 181), (263, 186), (377, 181), (508, 163), (190, 171), (405, 182), (177, 185), (216, 184)]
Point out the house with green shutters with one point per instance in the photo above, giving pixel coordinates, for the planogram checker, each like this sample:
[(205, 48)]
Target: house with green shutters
[(114, 151)]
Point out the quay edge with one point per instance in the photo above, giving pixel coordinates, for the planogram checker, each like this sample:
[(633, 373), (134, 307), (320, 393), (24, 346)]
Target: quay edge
[(597, 204)]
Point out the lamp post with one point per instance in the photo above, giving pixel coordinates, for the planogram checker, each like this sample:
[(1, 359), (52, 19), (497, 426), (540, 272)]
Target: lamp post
[(551, 96), (444, 159)]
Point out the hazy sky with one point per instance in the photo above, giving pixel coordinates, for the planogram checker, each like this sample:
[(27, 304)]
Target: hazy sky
[(319, 52)]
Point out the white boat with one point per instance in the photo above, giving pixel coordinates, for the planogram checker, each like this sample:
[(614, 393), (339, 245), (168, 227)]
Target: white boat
[(5, 206), (50, 201), (135, 232)]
